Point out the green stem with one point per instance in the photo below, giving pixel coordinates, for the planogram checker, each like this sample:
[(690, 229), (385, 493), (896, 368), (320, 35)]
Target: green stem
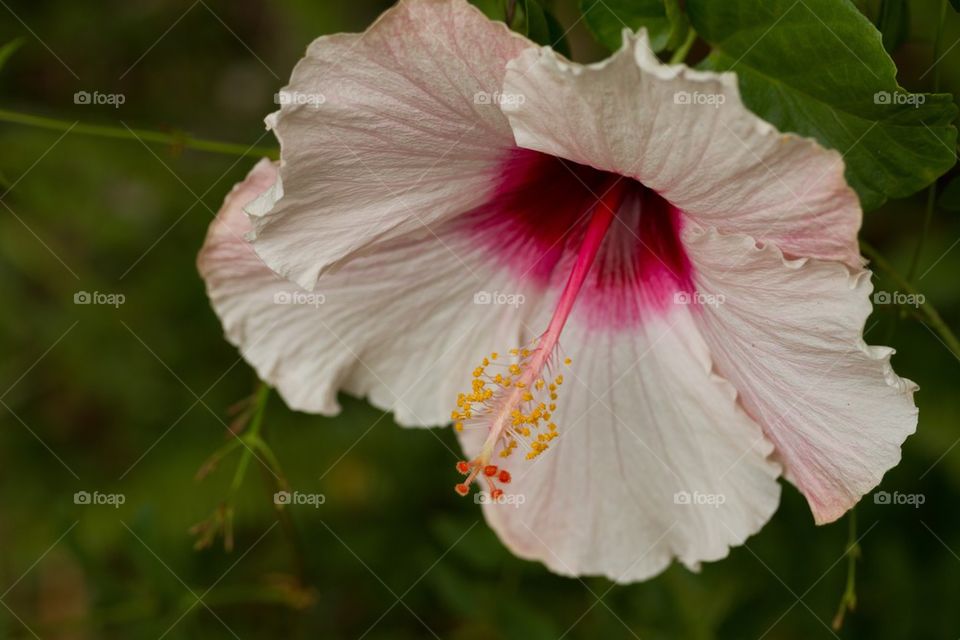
[(927, 219), (175, 139), (681, 53), (251, 436), (848, 601), (298, 553), (928, 311), (510, 12), (272, 474), (938, 45), (260, 446), (932, 191)]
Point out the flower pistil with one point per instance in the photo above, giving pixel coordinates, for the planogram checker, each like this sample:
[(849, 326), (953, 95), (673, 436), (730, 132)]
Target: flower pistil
[(514, 398)]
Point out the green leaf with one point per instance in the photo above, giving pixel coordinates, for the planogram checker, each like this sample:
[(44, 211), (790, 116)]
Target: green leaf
[(818, 68), (8, 50), (558, 35), (493, 9), (537, 28), (950, 198), (529, 18), (955, 4), (679, 24), (894, 23), (607, 19)]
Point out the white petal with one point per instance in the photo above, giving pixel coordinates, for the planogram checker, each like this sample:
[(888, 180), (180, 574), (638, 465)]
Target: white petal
[(643, 421), (789, 335), (711, 157), (389, 137), (399, 326)]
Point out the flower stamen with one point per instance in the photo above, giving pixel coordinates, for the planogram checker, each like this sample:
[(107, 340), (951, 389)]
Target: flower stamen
[(516, 402)]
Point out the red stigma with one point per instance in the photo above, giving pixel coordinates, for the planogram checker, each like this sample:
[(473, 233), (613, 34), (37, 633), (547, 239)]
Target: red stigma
[(496, 494), (504, 476), (463, 467), (462, 489), (490, 470)]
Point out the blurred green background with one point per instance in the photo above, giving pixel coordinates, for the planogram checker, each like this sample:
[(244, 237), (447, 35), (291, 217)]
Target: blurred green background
[(135, 399)]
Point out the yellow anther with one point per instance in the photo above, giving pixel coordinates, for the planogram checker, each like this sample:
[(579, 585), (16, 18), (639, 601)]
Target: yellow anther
[(521, 417), (567, 361)]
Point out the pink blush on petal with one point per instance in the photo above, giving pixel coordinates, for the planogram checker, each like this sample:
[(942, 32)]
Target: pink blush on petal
[(535, 223)]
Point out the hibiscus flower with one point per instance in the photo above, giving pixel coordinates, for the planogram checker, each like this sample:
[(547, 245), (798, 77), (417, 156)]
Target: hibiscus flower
[(638, 303)]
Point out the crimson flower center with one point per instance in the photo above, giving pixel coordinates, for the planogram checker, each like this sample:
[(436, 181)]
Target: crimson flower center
[(612, 248)]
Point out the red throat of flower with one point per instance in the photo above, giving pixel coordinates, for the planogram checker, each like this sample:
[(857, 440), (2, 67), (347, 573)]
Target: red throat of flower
[(514, 397)]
